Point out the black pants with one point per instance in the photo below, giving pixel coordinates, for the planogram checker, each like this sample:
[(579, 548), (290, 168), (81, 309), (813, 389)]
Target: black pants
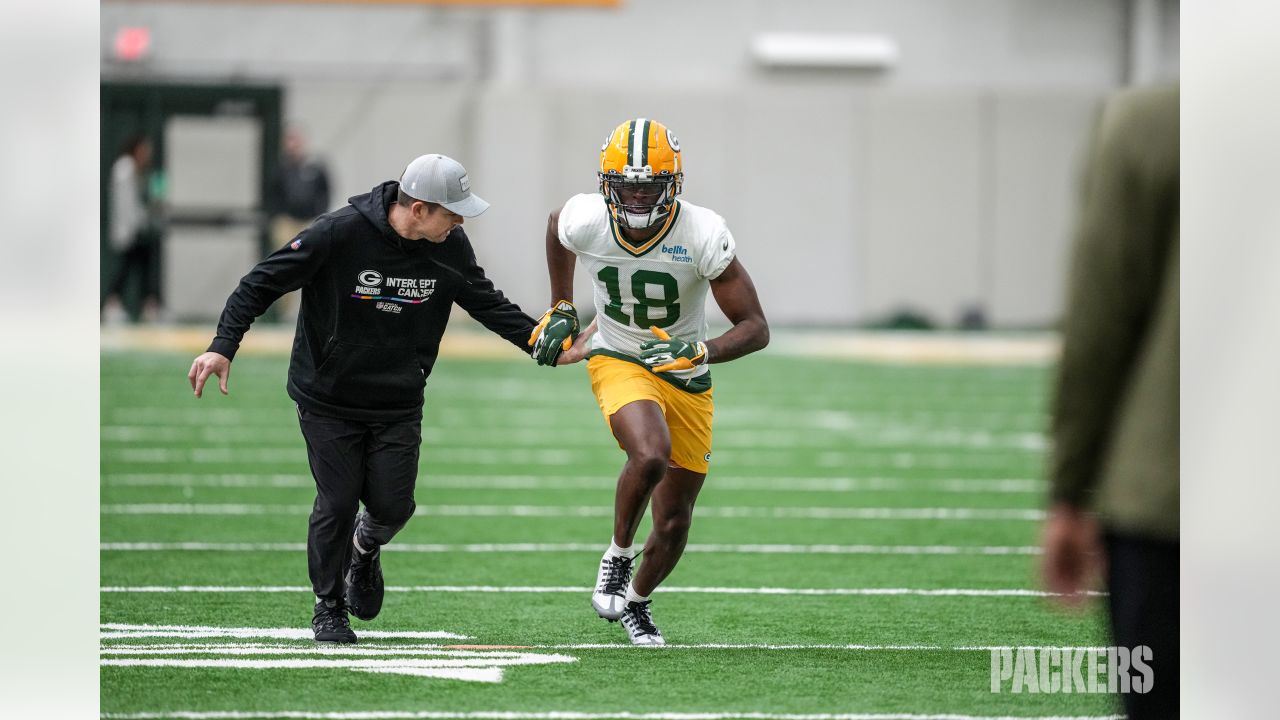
[(142, 261), (354, 462), (1142, 578)]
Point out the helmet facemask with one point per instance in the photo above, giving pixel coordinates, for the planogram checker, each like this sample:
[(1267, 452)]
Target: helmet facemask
[(639, 199)]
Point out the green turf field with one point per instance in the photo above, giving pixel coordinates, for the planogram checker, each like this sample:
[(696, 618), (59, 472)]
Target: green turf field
[(846, 505)]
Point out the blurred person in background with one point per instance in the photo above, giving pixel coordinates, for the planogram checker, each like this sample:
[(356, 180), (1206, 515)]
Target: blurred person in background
[(135, 230), (298, 194), (378, 280), (1114, 468), (299, 191), (652, 259)]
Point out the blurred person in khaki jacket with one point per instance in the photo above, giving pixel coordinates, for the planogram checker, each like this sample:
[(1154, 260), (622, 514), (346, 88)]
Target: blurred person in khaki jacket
[(1114, 467)]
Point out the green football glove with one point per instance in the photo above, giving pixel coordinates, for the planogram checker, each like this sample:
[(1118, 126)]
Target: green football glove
[(667, 353), (555, 332)]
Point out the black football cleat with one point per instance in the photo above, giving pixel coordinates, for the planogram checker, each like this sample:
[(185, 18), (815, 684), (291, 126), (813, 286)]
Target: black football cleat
[(364, 583), (330, 623)]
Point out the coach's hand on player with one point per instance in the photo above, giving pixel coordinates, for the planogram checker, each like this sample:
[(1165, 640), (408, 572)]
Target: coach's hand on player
[(210, 363), (666, 353), (580, 348), (554, 333)]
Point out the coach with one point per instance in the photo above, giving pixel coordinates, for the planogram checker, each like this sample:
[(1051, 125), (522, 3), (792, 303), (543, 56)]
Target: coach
[(1114, 468), (375, 302)]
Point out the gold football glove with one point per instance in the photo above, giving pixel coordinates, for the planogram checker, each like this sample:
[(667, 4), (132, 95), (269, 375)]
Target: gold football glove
[(667, 353), (554, 333)]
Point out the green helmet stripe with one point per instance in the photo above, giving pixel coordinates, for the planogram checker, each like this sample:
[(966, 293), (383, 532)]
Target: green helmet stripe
[(642, 139), (631, 144)]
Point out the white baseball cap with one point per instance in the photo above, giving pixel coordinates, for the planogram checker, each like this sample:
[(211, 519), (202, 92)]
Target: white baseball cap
[(442, 180)]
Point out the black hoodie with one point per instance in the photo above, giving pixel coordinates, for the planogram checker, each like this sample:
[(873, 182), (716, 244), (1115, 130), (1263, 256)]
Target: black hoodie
[(374, 306)]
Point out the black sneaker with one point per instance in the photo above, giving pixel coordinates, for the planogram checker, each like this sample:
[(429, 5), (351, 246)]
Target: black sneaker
[(638, 621), (330, 623), (364, 583), (611, 586)]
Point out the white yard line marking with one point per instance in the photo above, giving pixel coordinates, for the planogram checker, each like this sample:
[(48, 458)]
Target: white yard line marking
[(986, 550), (552, 511), (565, 715), (544, 589), (472, 669), (867, 433), (448, 663), (211, 480), (597, 482), (298, 454), (869, 648), (125, 649), (213, 589), (1004, 414), (118, 630), (875, 456), (328, 651)]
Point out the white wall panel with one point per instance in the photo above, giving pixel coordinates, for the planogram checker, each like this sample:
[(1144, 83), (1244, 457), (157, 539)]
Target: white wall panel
[(794, 201), (1039, 141), (213, 162), (924, 205), (202, 265)]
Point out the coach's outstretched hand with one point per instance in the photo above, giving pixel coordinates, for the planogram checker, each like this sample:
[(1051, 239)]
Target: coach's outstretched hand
[(210, 363), (667, 353)]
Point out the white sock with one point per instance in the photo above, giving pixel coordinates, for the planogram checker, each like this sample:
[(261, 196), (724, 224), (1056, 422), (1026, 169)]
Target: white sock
[(633, 596), (616, 551)]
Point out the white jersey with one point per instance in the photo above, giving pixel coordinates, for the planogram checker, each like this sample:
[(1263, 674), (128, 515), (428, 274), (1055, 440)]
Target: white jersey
[(662, 282)]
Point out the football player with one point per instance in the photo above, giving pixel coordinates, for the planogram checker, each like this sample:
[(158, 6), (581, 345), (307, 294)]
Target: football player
[(652, 258)]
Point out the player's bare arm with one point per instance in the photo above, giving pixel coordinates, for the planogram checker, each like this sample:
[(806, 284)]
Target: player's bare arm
[(736, 295), (560, 261), (558, 327), (560, 264)]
